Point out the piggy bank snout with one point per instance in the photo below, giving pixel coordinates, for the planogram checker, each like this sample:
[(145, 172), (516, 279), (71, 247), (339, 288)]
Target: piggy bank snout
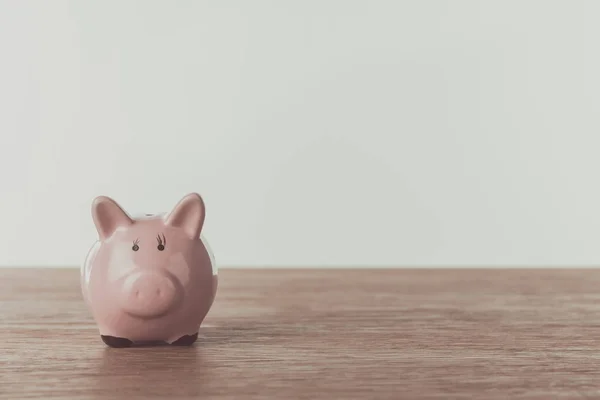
[(148, 294)]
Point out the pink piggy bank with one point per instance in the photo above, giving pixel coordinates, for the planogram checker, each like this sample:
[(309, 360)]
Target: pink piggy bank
[(151, 278)]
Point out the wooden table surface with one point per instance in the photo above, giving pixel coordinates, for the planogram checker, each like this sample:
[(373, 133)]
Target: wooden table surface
[(330, 334)]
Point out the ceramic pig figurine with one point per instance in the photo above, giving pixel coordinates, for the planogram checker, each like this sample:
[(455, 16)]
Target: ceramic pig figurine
[(150, 278)]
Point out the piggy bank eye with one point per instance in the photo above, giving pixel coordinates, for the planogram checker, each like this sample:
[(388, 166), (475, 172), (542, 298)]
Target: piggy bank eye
[(162, 241), (135, 246)]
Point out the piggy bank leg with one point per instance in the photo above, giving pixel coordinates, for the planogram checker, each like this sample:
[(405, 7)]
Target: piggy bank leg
[(186, 340), (113, 341)]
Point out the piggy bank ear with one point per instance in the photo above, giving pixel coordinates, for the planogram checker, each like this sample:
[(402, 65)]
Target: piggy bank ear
[(108, 216), (188, 215)]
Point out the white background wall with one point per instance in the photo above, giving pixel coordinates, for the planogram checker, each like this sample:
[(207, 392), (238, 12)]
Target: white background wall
[(320, 133)]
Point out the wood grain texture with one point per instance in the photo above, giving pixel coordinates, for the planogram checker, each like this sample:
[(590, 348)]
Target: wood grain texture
[(331, 334)]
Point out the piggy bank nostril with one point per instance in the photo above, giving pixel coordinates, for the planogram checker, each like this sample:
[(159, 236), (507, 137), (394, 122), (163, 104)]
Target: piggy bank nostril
[(148, 294)]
